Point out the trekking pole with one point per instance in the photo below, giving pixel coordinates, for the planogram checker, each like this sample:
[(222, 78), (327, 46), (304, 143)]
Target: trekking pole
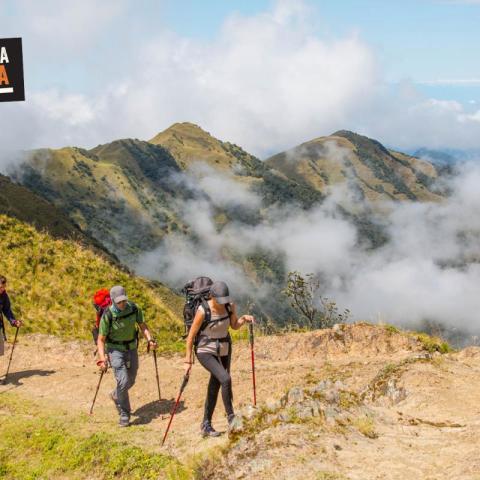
[(252, 354), (11, 355), (156, 370), (182, 388), (96, 392)]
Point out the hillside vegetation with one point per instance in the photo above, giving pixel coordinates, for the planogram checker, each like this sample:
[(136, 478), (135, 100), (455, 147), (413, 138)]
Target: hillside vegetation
[(131, 195), (22, 203), (52, 281), (128, 196), (118, 193), (371, 171)]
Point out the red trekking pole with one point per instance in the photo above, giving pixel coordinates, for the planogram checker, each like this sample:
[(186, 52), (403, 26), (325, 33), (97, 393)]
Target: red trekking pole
[(182, 388), (252, 353)]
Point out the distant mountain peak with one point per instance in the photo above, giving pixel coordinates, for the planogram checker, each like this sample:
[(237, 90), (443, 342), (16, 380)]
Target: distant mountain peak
[(181, 129)]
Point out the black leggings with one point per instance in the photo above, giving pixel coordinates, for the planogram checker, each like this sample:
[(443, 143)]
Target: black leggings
[(219, 368)]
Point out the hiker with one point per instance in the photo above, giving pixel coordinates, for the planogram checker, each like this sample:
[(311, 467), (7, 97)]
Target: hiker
[(5, 309), (213, 348), (118, 331)]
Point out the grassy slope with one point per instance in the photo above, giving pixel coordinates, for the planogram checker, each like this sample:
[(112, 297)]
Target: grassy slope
[(376, 173), (41, 444), (118, 193), (51, 283), (188, 143), (19, 202)]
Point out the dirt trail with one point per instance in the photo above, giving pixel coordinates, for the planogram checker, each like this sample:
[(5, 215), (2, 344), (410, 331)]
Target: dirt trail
[(433, 433)]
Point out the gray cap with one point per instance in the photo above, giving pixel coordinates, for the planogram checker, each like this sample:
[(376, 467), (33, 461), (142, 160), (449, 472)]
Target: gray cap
[(219, 290), (118, 294)]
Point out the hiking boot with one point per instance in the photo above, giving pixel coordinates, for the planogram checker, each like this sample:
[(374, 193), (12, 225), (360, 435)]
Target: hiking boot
[(124, 421), (113, 397), (208, 431)]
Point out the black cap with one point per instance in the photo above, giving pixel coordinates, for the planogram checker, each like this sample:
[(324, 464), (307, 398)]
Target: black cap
[(219, 290)]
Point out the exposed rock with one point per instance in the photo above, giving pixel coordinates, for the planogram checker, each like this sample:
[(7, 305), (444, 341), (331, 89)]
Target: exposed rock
[(272, 405), (320, 387), (332, 396), (295, 395), (284, 416), (236, 425), (394, 393), (249, 412)]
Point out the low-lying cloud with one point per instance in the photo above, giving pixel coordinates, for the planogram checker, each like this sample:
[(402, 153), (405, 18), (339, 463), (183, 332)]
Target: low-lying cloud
[(428, 270)]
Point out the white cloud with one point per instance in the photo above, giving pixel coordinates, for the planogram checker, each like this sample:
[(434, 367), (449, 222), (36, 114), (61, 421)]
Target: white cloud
[(64, 27), (428, 270), (266, 81)]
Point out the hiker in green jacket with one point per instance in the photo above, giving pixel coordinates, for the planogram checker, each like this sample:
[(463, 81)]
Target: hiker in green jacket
[(118, 331)]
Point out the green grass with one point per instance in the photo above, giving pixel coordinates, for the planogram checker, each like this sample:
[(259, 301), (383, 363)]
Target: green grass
[(51, 283), (391, 329), (37, 446), (432, 344)]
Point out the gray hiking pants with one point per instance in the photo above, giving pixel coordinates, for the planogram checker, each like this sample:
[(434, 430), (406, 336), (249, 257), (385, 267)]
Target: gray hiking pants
[(125, 367)]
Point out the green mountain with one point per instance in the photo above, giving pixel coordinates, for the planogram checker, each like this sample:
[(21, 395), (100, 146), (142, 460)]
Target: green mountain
[(118, 193), (130, 194), (366, 166), (189, 144), (19, 202), (124, 194)]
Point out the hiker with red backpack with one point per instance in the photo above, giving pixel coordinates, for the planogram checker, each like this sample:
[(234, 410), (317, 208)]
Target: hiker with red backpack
[(118, 332), (214, 313)]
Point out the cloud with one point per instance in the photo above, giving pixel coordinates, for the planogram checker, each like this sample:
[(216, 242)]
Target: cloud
[(221, 188), (63, 27), (475, 82), (266, 81), (429, 269)]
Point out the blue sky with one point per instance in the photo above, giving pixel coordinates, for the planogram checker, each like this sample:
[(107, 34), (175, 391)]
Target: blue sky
[(266, 74), (425, 41), (421, 40)]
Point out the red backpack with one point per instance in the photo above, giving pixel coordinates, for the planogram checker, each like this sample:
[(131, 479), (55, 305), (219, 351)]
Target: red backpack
[(101, 301)]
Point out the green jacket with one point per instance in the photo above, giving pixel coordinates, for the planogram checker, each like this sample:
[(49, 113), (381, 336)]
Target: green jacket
[(121, 332)]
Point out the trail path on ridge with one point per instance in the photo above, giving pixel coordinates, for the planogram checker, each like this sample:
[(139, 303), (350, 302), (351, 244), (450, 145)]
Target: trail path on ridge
[(434, 433)]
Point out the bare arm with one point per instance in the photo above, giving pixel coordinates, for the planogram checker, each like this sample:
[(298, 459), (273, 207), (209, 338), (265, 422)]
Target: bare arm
[(236, 322), (101, 351), (146, 333), (194, 329)]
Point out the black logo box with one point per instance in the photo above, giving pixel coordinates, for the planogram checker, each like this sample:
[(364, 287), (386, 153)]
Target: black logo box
[(15, 90)]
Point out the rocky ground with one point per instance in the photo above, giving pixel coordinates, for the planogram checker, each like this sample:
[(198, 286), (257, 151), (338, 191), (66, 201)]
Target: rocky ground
[(354, 402)]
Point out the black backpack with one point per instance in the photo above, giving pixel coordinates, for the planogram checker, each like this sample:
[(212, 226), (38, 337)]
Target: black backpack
[(197, 292)]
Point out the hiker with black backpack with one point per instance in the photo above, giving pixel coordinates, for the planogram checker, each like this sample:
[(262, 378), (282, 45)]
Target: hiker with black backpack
[(118, 332), (209, 336), (6, 310)]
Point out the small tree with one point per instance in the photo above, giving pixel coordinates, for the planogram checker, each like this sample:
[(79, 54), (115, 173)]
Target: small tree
[(315, 310)]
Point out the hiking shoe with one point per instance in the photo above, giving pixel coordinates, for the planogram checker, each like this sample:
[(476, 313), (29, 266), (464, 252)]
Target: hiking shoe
[(124, 421), (208, 431), (115, 401)]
